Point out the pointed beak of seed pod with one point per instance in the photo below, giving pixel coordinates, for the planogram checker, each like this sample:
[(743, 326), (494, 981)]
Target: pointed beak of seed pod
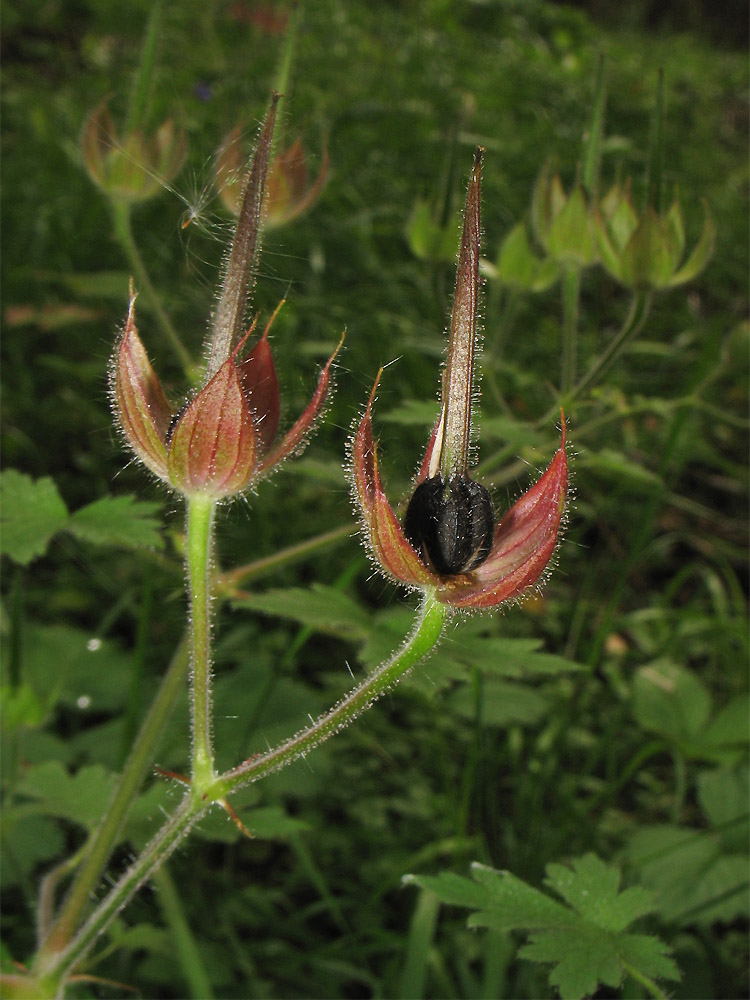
[(449, 541)]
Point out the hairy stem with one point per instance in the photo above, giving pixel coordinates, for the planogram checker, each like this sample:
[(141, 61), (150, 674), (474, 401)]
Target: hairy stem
[(201, 510), (56, 967), (427, 631), (99, 847)]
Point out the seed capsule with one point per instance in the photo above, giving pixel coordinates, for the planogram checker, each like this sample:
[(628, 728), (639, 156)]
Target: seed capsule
[(451, 527)]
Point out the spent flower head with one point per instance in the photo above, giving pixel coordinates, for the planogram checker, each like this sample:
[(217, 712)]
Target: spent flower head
[(647, 251), (289, 190), (223, 439), (135, 166), (449, 541)]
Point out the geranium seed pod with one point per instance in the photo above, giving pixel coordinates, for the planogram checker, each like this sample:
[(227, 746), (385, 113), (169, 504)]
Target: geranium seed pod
[(451, 527)]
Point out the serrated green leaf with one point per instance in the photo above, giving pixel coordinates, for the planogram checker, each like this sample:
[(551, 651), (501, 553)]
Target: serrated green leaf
[(512, 432), (79, 797), (32, 512), (322, 608), (592, 888), (649, 955), (121, 520), (581, 961), (512, 903), (412, 413)]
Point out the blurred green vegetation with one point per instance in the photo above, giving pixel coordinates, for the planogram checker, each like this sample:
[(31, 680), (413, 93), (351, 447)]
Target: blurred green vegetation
[(628, 739)]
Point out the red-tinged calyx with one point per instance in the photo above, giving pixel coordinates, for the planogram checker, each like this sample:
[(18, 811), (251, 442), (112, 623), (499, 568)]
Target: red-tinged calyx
[(296, 437), (382, 529), (523, 543), (260, 386), (142, 408), (223, 439), (213, 446)]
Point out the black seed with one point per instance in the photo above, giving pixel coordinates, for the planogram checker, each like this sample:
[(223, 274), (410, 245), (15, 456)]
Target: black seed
[(175, 420), (450, 528)]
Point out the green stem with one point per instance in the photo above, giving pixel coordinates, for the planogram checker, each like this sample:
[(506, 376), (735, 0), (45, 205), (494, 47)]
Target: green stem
[(60, 965), (103, 839), (226, 582), (201, 509), (571, 293), (56, 967), (427, 631), (144, 78), (124, 233), (593, 147), (639, 310)]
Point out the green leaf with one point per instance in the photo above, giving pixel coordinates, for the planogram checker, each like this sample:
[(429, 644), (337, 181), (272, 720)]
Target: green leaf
[(451, 889), (592, 888), (581, 960), (83, 672), (267, 823), (729, 728), (692, 880), (122, 521), (521, 658), (79, 797), (321, 608), (584, 941), (22, 707), (28, 841), (502, 704), (512, 903), (32, 512), (722, 793), (670, 701)]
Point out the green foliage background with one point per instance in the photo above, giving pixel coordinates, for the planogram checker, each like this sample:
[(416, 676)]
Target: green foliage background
[(608, 717)]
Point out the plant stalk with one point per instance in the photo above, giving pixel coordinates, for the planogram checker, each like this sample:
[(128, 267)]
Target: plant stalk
[(426, 633), (56, 967), (104, 837), (571, 293), (124, 233), (201, 508)]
